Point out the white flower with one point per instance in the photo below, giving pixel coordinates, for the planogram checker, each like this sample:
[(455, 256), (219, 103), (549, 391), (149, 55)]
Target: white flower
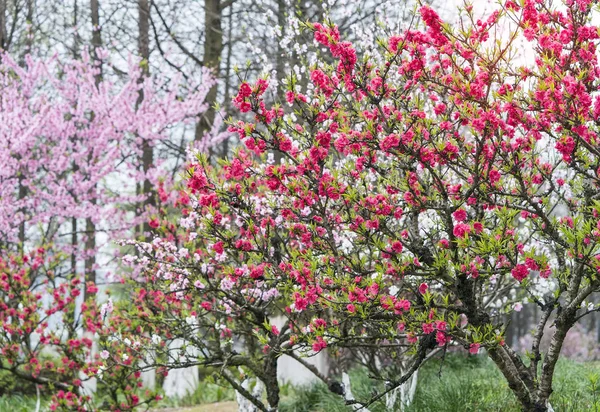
[(156, 339), (394, 290), (125, 356), (104, 354)]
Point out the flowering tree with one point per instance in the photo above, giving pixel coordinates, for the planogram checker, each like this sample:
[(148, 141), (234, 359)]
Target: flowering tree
[(64, 139), (69, 151), (59, 359), (421, 188)]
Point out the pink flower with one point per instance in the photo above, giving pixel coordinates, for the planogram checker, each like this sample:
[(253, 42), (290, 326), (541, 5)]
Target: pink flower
[(300, 303), (389, 142), (401, 305), (460, 215), (397, 246), (494, 176), (474, 348), (423, 288), (518, 306), (319, 345), (218, 247), (439, 109), (245, 90), (351, 308), (427, 328), (520, 272), (274, 330), (441, 338), (461, 230)]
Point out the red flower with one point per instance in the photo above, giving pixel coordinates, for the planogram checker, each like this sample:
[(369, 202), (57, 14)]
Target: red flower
[(154, 223), (460, 215), (245, 90), (520, 272), (319, 345), (462, 230), (427, 328), (218, 248), (441, 338)]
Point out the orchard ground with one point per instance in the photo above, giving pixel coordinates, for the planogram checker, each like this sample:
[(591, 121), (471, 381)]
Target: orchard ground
[(456, 383)]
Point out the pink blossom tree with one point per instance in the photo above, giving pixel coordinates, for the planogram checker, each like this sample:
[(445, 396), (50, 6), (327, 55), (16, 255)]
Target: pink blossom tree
[(70, 147), (69, 151)]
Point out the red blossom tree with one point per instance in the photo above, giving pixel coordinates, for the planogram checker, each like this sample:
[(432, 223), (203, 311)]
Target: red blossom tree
[(422, 186)]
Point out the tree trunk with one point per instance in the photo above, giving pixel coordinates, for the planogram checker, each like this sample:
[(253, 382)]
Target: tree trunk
[(3, 39), (90, 227), (29, 20), (74, 240), (76, 39), (280, 62), (270, 381), (227, 96), (147, 149), (213, 48), (96, 35)]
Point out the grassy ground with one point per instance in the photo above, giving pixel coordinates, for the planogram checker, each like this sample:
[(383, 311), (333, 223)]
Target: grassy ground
[(457, 384), (227, 406), (17, 403), (462, 385)]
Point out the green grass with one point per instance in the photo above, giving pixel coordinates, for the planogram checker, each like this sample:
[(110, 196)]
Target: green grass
[(19, 403), (205, 393), (458, 384), (462, 384)]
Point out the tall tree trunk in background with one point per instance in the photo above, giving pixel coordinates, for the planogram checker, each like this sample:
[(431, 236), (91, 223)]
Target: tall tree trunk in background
[(144, 51), (76, 38), (30, 31), (96, 36), (90, 227), (213, 48), (226, 98), (144, 33), (22, 188), (281, 58), (74, 240), (280, 61), (3, 39)]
